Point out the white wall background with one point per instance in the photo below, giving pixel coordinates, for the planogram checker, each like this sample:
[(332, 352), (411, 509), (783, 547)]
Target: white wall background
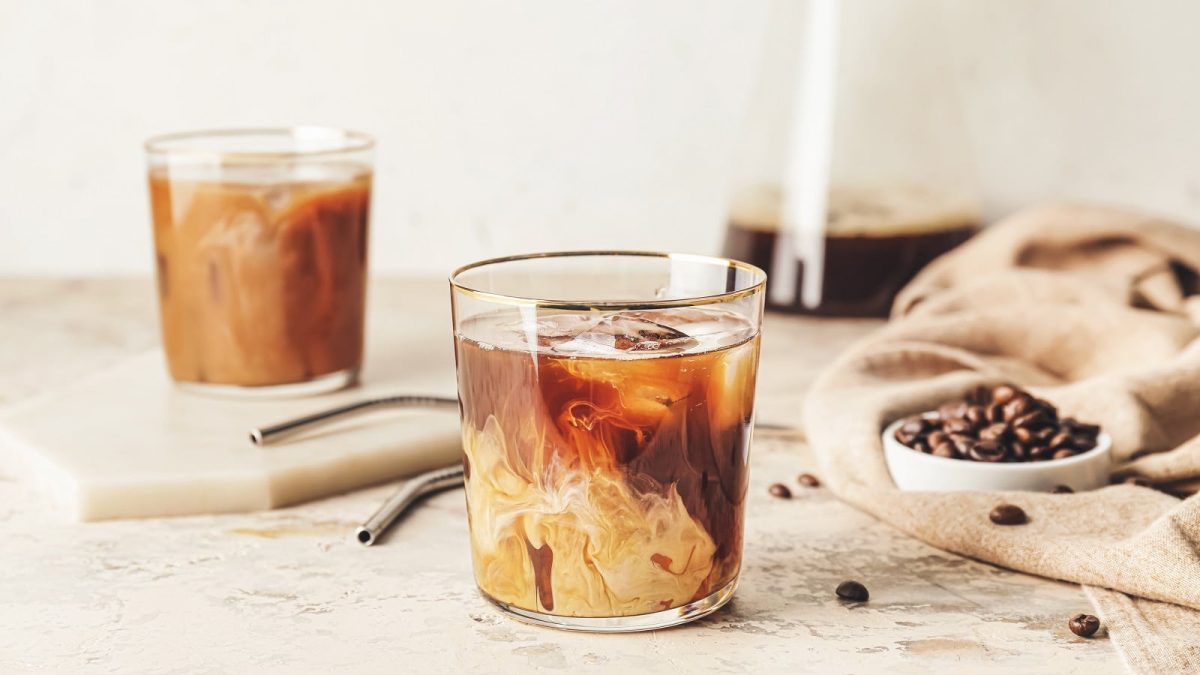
[(544, 124)]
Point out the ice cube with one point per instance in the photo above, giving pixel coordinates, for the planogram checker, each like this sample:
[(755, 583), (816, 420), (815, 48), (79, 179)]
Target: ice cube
[(618, 334)]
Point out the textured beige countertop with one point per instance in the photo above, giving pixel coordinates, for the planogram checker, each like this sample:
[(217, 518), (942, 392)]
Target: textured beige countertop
[(289, 591)]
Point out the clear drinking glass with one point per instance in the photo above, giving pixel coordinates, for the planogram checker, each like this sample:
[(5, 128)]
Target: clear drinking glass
[(607, 406), (260, 240)]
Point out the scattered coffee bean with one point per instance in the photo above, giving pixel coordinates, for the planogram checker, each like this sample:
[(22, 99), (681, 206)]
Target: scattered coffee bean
[(1062, 490), (997, 424), (852, 591), (1008, 514), (1084, 625), (780, 490), (808, 480)]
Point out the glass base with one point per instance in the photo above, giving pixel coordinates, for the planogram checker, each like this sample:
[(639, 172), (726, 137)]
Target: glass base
[(322, 384), (623, 624)]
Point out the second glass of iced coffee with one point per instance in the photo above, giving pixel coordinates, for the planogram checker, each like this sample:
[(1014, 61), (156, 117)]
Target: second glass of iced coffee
[(607, 407), (260, 239)]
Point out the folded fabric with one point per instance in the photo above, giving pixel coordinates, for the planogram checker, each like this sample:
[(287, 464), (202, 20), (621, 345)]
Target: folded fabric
[(1096, 310)]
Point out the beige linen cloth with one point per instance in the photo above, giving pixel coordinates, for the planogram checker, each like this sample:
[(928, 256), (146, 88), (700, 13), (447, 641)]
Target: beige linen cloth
[(1094, 309)]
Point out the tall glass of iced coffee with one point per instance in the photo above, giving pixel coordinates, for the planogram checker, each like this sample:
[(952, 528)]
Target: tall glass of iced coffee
[(260, 239), (607, 406)]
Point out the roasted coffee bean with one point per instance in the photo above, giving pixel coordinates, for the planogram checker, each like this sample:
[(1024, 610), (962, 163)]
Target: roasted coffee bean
[(852, 591), (1038, 453), (1044, 435), (957, 425), (921, 446), (936, 438), (1084, 625), (952, 410), (905, 438), (995, 413), (977, 415), (1031, 420), (1008, 514), (1081, 443), (1020, 405), (987, 451), (1060, 440), (780, 490), (1022, 434), (1003, 394), (1062, 453), (962, 444), (994, 432), (945, 449), (1078, 427), (914, 425), (1018, 451), (808, 480), (1062, 490)]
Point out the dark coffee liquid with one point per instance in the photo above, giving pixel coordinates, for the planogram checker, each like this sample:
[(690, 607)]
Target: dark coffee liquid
[(862, 272)]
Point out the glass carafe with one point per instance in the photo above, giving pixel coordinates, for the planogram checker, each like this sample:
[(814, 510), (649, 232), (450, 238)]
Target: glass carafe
[(854, 169)]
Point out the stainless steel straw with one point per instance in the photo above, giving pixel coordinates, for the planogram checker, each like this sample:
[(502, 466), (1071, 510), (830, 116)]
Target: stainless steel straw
[(412, 490), (275, 432)]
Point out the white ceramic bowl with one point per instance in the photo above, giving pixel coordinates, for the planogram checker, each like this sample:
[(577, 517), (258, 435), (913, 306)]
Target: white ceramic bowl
[(913, 470)]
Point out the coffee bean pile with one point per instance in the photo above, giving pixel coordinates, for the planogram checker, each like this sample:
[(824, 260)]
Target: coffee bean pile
[(998, 424)]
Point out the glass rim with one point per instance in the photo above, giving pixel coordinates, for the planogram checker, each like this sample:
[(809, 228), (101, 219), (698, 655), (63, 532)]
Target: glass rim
[(354, 141), (578, 305)]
